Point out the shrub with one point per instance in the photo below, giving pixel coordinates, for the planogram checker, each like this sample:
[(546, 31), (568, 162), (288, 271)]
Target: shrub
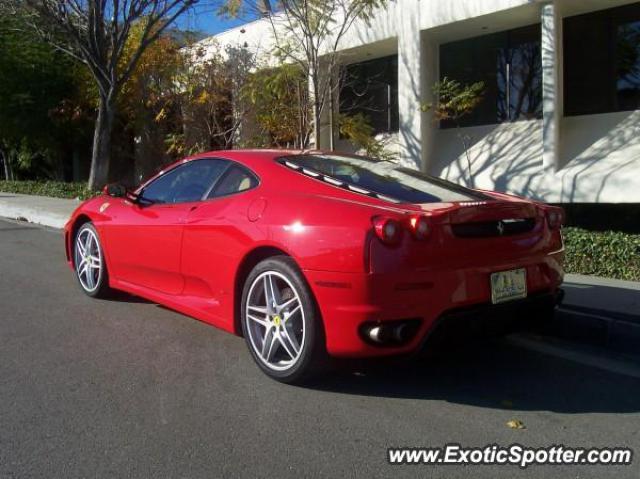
[(610, 254), (56, 189)]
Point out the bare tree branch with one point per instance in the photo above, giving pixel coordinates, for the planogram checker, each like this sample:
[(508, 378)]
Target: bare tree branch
[(308, 33)]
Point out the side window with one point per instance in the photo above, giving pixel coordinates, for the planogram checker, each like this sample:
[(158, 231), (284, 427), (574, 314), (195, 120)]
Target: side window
[(185, 183), (235, 180)]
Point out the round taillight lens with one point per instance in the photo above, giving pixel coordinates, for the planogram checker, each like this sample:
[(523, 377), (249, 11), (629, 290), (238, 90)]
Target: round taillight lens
[(387, 229), (419, 227), (554, 218)]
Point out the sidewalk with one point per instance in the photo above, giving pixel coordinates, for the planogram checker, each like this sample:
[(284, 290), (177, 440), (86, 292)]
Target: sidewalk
[(600, 311), (42, 210), (591, 293)]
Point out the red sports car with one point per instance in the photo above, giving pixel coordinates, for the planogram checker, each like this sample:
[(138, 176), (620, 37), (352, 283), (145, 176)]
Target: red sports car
[(311, 255)]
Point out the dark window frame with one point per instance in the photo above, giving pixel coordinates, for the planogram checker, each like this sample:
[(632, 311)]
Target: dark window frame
[(501, 79), (232, 164), (601, 93), (205, 196), (392, 109)]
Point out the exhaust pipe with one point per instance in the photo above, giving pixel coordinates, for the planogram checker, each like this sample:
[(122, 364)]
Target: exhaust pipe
[(375, 334), (389, 333)]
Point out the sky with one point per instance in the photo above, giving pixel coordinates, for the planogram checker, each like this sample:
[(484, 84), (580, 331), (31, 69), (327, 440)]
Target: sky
[(204, 18)]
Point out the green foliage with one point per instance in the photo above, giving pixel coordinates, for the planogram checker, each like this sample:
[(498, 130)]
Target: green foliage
[(37, 100), (454, 100), (610, 254), (307, 33), (357, 129), (277, 99), (230, 9), (55, 189), (207, 82), (149, 91)]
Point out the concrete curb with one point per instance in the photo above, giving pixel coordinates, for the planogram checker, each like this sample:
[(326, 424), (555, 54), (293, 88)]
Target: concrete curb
[(52, 212), (599, 328), (601, 312)]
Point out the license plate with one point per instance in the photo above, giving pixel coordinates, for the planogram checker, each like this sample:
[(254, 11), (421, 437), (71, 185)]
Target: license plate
[(508, 285)]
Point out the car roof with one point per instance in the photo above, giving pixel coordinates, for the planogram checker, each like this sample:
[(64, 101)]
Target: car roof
[(246, 156), (259, 155), (258, 160), (262, 162)]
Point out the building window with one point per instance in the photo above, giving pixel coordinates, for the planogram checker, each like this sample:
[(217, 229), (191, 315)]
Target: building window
[(371, 88), (602, 61), (510, 66)]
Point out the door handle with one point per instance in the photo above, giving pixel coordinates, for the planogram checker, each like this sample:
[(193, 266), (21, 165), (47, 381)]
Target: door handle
[(188, 219)]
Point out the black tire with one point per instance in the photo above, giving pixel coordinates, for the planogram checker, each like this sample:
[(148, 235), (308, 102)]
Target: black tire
[(313, 358), (100, 287)]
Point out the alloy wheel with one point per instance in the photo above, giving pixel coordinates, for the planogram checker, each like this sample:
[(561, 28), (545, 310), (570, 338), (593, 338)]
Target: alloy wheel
[(275, 321), (88, 260)]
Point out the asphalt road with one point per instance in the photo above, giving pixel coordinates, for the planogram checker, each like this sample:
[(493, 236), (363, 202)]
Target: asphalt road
[(124, 387)]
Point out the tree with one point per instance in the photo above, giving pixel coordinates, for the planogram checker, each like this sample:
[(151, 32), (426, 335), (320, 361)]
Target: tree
[(208, 89), (147, 105), (454, 101), (278, 100), (307, 33), (96, 32), (206, 96), (357, 129), (37, 98)]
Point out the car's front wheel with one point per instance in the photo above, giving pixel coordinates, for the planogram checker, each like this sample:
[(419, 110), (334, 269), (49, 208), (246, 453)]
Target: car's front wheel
[(89, 263), (280, 322)]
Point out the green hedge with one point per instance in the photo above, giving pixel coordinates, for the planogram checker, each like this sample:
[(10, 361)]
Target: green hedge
[(610, 254), (56, 189)]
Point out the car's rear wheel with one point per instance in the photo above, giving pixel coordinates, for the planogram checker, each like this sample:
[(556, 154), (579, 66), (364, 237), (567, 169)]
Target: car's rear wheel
[(89, 263), (281, 323)]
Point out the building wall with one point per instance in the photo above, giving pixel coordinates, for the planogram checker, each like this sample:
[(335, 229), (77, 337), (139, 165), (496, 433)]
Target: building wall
[(581, 159), (572, 159)]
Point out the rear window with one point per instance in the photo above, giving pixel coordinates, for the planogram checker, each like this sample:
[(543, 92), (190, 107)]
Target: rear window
[(383, 179)]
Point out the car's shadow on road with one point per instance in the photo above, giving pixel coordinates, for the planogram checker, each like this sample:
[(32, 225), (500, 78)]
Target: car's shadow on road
[(482, 372), (122, 297), (490, 374)]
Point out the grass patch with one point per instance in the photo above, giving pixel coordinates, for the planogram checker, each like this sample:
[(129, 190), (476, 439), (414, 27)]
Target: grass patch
[(55, 189), (609, 253)]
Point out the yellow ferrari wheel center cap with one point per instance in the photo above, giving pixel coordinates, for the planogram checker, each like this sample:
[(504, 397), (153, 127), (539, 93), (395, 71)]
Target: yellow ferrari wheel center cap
[(276, 320)]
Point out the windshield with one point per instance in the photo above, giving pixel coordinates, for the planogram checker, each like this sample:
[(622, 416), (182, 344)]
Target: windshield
[(381, 178)]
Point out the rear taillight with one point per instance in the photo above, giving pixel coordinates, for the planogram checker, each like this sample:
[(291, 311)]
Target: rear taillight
[(390, 230), (387, 229), (555, 218), (419, 226)]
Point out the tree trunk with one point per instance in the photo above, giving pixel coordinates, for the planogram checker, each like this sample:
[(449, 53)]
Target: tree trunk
[(316, 125), (331, 126), (314, 82), (465, 146), (101, 153), (5, 162)]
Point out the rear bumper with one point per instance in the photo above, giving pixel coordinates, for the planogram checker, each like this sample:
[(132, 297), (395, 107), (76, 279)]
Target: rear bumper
[(347, 301), (492, 319)]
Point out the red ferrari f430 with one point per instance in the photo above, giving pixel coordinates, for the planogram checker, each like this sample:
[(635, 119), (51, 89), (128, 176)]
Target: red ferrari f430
[(312, 255)]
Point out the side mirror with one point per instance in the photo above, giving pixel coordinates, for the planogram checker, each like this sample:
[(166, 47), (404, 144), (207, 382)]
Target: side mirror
[(116, 190)]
